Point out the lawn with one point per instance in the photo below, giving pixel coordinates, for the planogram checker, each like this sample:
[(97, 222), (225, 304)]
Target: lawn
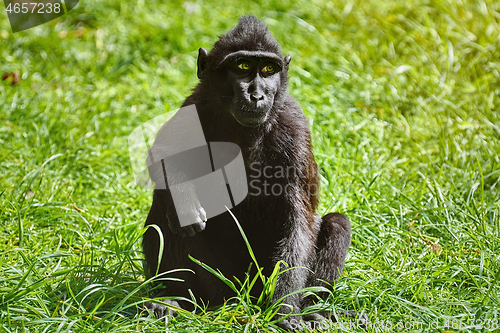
[(403, 99)]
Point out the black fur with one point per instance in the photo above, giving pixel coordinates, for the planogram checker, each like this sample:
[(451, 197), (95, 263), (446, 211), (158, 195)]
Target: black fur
[(279, 227)]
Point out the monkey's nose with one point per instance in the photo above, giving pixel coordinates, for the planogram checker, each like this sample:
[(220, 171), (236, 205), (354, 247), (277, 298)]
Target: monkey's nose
[(256, 97)]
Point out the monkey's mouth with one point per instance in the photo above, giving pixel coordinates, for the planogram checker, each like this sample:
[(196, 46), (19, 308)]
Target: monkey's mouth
[(256, 108), (250, 116), (250, 113)]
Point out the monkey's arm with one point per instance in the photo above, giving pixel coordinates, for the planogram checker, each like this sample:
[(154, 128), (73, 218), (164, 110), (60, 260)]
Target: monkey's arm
[(172, 164)]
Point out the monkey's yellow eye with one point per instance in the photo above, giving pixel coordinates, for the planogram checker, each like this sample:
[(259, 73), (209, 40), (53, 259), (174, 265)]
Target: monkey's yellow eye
[(244, 66), (268, 69)]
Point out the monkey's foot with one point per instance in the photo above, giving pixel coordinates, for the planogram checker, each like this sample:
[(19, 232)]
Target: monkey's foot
[(291, 325), (161, 310), (318, 320)]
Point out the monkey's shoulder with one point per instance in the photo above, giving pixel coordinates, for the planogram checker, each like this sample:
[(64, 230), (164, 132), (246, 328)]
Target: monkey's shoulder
[(289, 132), (291, 118)]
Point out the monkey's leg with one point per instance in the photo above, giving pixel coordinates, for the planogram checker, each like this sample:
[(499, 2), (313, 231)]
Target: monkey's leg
[(297, 250), (172, 257), (333, 241)]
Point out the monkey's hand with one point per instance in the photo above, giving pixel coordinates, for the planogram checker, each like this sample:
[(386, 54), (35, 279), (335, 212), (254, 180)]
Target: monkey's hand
[(189, 210)]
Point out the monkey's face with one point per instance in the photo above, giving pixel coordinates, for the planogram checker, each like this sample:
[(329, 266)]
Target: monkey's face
[(253, 81)]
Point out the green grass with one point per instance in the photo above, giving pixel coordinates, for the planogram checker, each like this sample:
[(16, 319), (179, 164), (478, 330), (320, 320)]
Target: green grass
[(403, 99)]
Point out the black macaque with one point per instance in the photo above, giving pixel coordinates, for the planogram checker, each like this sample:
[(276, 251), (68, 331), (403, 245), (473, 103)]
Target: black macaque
[(242, 98)]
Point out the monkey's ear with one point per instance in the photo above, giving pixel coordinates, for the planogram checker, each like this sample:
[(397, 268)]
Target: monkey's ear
[(287, 60), (202, 61)]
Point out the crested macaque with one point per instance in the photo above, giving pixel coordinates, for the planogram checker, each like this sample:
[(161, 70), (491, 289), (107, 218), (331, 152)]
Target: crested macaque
[(242, 99)]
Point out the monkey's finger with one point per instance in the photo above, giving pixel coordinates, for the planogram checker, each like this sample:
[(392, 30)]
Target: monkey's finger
[(158, 310), (199, 227)]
